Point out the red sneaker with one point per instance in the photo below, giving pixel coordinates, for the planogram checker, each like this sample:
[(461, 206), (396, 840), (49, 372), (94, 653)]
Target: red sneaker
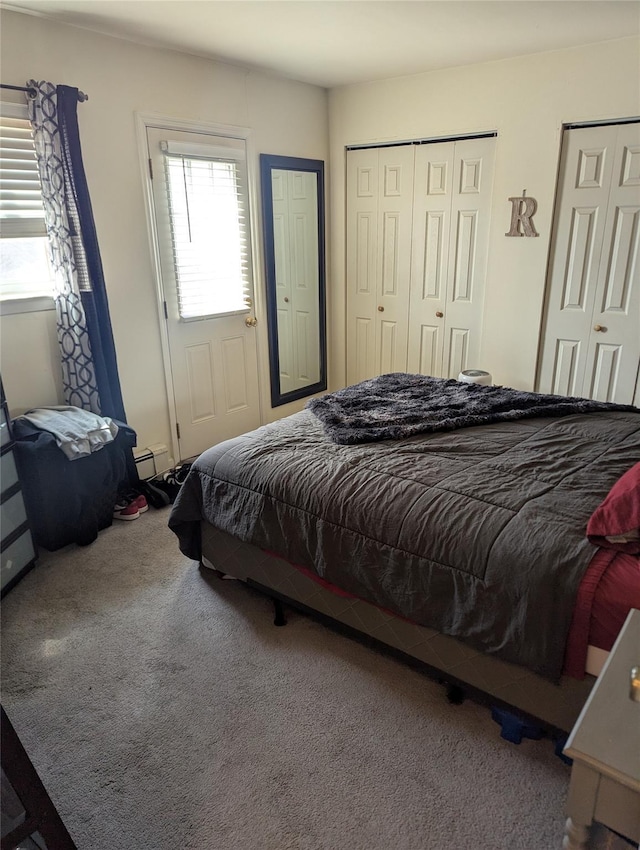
[(141, 503), (129, 511)]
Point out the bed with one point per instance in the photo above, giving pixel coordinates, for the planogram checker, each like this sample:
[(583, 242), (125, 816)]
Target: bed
[(464, 549)]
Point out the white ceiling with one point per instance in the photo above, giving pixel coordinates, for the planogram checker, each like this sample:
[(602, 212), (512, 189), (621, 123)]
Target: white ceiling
[(337, 42)]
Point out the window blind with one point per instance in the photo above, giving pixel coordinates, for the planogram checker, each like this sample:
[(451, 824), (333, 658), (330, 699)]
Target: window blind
[(208, 212), (25, 271), (21, 212)]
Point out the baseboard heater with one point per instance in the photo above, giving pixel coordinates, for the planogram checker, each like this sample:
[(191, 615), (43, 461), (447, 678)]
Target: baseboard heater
[(152, 460)]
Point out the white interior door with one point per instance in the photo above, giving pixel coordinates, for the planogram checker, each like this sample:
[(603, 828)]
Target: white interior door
[(591, 341), (583, 196), (362, 264), (613, 352), (468, 254), (430, 256), (379, 222), (395, 221), (213, 356), (452, 208)]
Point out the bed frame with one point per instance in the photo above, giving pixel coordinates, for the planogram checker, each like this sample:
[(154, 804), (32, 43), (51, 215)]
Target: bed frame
[(465, 671)]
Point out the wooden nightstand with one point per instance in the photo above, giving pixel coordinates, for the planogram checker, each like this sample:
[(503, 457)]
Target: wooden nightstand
[(605, 748)]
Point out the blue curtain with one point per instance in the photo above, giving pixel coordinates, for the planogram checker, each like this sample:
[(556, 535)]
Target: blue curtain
[(89, 365)]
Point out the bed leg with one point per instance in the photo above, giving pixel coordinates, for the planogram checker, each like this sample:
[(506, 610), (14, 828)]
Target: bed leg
[(455, 694), (279, 619), (558, 747)]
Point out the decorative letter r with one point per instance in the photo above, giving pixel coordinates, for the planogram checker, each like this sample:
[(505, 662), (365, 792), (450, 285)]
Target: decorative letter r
[(522, 211)]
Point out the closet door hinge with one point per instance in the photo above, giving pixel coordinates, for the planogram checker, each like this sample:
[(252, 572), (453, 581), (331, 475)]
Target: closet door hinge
[(166, 312), (178, 429), (150, 168)]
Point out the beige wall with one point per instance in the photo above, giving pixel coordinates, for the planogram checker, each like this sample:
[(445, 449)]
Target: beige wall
[(122, 78), (29, 360), (526, 100)]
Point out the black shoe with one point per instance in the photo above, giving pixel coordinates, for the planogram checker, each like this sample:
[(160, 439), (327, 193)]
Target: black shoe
[(155, 495)]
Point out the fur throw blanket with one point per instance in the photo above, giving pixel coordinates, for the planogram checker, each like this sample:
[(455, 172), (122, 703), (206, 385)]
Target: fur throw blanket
[(400, 405)]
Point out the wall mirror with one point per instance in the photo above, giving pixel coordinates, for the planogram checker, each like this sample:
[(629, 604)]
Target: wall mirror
[(293, 220)]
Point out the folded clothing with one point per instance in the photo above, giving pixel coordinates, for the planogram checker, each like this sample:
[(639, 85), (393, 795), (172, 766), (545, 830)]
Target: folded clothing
[(77, 432)]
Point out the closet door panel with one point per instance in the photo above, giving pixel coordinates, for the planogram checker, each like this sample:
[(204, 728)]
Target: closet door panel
[(362, 351), (583, 195), (417, 236), (468, 250), (605, 381), (430, 256), (614, 340), (429, 355), (566, 357), (387, 347), (457, 351), (379, 221), (362, 265), (395, 219)]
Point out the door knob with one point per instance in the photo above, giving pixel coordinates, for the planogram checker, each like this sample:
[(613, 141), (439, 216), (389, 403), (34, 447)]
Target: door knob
[(598, 328), (286, 300), (381, 308), (439, 314), (251, 321)]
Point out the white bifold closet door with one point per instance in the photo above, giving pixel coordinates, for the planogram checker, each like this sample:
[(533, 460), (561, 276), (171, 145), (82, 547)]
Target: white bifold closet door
[(417, 236), (379, 221), (451, 212), (591, 339)]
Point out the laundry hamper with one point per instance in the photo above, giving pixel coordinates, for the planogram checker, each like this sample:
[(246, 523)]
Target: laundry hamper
[(70, 501)]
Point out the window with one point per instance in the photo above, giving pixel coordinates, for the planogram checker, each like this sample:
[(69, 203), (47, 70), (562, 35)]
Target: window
[(24, 254), (206, 188)]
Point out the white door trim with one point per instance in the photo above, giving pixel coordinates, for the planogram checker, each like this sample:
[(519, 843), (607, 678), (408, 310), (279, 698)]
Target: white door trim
[(143, 121)]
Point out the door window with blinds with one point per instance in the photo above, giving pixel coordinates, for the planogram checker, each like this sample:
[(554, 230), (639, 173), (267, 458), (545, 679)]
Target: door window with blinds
[(24, 254), (208, 218)]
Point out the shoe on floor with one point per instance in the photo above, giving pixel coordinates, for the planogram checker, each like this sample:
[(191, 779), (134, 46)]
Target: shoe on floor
[(141, 503), (127, 511)]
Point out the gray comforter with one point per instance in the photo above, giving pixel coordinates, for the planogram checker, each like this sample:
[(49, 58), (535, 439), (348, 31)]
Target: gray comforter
[(478, 533)]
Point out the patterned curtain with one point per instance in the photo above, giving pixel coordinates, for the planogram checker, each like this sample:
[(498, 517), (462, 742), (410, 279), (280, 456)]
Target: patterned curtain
[(89, 367)]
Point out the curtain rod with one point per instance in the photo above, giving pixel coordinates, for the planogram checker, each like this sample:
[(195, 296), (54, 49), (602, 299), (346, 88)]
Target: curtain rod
[(32, 92)]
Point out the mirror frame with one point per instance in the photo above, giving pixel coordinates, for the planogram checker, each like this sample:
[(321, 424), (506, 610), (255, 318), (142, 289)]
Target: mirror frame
[(269, 162)]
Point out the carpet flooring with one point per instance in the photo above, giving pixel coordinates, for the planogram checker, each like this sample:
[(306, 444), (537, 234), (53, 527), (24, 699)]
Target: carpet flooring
[(163, 710)]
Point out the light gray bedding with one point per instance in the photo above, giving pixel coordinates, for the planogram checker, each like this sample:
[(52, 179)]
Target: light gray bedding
[(478, 533)]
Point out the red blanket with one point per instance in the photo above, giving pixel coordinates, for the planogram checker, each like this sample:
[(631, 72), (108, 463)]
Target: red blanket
[(611, 585)]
